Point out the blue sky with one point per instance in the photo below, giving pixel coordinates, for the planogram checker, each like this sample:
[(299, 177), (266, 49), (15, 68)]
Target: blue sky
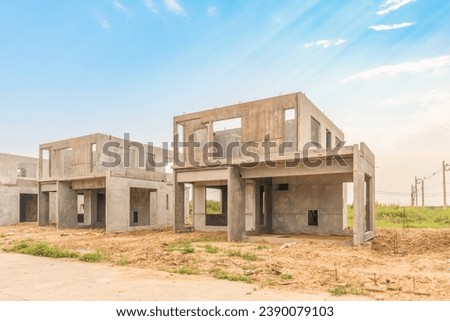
[(379, 69)]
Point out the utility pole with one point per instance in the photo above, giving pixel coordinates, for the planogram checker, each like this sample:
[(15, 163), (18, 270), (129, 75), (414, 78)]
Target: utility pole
[(416, 180), (445, 167), (423, 192), (412, 195)]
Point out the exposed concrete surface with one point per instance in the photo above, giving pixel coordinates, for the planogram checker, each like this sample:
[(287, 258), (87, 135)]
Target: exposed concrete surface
[(24, 277)]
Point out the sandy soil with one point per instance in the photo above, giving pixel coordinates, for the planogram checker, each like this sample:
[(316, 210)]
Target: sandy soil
[(400, 264)]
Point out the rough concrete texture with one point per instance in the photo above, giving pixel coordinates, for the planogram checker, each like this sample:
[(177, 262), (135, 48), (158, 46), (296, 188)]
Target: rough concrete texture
[(116, 183), (18, 189), (255, 204), (290, 207)]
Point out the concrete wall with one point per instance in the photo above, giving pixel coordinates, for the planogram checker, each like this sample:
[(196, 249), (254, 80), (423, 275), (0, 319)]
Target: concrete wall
[(9, 205), (322, 193), (306, 111), (18, 175), (66, 206), (85, 156), (140, 203), (119, 203), (258, 119)]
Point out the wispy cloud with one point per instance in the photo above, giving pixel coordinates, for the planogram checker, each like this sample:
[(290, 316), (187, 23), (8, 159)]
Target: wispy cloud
[(392, 5), (325, 43), (119, 6), (211, 11), (151, 5), (340, 42), (392, 27), (437, 64), (172, 5), (104, 23)]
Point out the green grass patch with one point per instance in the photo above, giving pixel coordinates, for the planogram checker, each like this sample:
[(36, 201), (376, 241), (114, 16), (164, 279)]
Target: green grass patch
[(287, 277), (186, 270), (338, 291), (222, 275), (123, 261), (180, 246), (97, 256), (342, 290), (234, 253), (42, 249), (261, 247), (245, 256), (249, 257), (211, 249), (394, 216)]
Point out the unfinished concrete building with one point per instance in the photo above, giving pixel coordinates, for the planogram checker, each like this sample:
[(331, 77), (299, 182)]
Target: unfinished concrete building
[(105, 182), (275, 165), (18, 189)]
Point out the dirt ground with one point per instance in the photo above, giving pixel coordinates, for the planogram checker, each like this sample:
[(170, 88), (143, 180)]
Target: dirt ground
[(399, 264)]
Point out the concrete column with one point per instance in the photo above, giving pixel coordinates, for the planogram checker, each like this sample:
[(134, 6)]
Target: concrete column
[(179, 205), (117, 209), (93, 208), (236, 205), (53, 200), (268, 202), (66, 205), (370, 200), (344, 206), (250, 206), (186, 203), (199, 207), (88, 208), (43, 208), (358, 199)]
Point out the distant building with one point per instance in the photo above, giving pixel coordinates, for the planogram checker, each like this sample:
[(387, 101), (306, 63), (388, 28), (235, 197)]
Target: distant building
[(275, 165), (18, 189), (82, 186)]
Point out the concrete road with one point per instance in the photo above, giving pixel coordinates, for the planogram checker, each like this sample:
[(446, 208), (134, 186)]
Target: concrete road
[(24, 277)]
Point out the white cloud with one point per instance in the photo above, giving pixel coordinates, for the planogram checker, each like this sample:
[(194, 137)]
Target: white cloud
[(325, 43), (149, 4), (392, 5), (104, 23), (119, 6), (436, 64), (392, 27), (211, 11), (340, 42), (172, 5)]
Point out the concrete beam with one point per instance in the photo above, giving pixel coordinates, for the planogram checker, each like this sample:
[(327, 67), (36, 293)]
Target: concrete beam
[(95, 183), (281, 170), (202, 175)]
